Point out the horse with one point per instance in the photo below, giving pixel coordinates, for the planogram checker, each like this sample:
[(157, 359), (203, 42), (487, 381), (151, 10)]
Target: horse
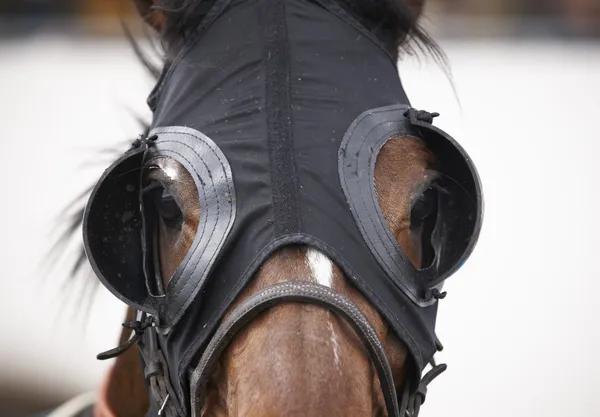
[(331, 345)]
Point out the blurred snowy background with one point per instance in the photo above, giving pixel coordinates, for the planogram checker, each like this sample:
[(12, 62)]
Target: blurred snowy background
[(521, 322)]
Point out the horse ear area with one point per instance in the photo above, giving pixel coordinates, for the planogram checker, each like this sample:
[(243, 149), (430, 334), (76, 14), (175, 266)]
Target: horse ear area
[(152, 15)]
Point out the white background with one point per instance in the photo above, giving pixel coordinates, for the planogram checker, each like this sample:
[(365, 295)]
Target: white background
[(520, 324)]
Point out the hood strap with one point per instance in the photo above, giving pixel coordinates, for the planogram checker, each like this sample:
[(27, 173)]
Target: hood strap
[(294, 291), (138, 327), (411, 404), (156, 373)]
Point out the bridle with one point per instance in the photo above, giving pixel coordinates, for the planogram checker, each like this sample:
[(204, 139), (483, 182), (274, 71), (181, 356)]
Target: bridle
[(156, 369), (312, 293)]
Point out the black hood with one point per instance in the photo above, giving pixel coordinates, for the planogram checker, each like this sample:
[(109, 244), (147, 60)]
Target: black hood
[(278, 110)]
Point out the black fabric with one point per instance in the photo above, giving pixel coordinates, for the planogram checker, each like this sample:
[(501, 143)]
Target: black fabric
[(268, 91)]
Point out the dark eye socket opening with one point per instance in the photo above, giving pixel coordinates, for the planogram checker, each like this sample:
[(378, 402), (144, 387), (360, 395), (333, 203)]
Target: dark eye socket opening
[(164, 204), (423, 220)]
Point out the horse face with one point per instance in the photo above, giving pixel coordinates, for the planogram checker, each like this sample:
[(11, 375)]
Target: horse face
[(292, 347), (297, 359)]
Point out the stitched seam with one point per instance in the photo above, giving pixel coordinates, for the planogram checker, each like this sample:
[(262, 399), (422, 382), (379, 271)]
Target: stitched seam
[(229, 189), (207, 241), (376, 220), (199, 233), (345, 158), (372, 219), (375, 223)]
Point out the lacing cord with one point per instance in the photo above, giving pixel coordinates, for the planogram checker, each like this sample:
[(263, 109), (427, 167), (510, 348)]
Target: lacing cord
[(155, 370), (410, 405), (138, 327), (435, 293), (421, 115), (143, 141), (415, 401)]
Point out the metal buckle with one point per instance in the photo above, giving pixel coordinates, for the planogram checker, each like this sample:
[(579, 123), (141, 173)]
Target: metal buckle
[(162, 407)]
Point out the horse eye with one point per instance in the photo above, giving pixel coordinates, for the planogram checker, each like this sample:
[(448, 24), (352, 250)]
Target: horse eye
[(167, 208), (423, 219), (424, 206)]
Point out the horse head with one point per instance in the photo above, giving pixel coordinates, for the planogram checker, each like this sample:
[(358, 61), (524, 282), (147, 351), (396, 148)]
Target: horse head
[(283, 230)]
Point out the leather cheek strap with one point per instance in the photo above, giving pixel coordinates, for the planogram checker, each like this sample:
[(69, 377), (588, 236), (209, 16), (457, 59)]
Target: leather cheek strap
[(156, 374), (293, 291)]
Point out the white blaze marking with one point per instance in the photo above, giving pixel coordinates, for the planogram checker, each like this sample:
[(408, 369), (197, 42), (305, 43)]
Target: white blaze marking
[(336, 346), (322, 271), (321, 267)]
